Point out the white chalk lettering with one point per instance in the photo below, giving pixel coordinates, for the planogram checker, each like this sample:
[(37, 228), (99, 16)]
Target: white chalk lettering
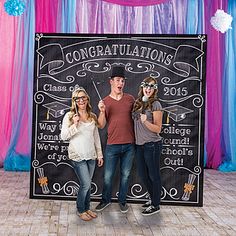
[(48, 137), (48, 127)]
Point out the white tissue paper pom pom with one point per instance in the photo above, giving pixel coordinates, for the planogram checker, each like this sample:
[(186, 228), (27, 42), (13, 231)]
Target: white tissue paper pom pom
[(221, 21)]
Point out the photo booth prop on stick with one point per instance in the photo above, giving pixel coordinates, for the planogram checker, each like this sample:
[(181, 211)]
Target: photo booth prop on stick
[(65, 62)]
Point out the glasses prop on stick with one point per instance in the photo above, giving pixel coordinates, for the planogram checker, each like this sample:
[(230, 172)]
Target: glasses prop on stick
[(76, 109)]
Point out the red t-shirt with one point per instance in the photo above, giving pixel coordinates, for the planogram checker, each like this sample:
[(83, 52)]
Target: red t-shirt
[(118, 115)]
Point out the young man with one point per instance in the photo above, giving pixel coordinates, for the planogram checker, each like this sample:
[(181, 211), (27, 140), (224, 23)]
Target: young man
[(115, 111)]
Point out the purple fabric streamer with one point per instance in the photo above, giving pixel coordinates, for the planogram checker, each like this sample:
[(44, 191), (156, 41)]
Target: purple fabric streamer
[(136, 2)]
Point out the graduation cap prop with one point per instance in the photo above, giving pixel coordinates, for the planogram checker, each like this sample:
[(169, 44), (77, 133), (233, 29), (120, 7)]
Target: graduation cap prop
[(56, 109), (176, 113)]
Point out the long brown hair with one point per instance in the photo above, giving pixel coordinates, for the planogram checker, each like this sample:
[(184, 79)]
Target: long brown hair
[(139, 104), (74, 107)]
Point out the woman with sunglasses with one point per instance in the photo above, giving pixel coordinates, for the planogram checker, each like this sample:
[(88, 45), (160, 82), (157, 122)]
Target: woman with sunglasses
[(147, 116), (79, 126)]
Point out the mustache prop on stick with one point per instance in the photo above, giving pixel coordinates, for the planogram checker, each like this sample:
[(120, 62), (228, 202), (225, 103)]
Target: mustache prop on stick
[(145, 98)]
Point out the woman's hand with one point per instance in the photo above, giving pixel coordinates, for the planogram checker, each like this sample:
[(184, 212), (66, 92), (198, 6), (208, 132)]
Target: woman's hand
[(143, 117), (100, 162), (75, 119)]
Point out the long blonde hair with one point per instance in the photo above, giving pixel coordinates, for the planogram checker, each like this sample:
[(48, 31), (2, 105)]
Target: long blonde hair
[(74, 107), (139, 104)]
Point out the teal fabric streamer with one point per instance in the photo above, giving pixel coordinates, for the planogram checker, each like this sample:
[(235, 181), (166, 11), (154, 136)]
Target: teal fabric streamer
[(17, 162), (195, 14), (68, 17)]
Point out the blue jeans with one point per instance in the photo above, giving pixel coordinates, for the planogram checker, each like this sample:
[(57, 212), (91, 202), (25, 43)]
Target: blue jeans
[(84, 170), (114, 153), (148, 160)]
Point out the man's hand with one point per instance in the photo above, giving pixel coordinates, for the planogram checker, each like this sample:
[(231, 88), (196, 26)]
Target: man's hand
[(101, 106)]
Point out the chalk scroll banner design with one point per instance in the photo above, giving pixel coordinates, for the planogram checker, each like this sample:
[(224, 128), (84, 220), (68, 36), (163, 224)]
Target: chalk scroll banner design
[(63, 62)]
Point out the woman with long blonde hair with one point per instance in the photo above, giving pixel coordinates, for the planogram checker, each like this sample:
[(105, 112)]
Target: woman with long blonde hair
[(79, 126)]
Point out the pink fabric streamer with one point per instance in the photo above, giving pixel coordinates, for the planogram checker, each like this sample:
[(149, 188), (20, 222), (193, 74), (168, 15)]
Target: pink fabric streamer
[(19, 89), (214, 69), (7, 27), (46, 16), (136, 2)]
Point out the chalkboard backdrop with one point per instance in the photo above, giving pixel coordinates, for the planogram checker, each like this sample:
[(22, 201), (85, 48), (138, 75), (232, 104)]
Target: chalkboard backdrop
[(63, 62)]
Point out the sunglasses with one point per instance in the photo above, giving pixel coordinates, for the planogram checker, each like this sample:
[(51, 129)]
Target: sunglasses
[(147, 85), (82, 98)]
